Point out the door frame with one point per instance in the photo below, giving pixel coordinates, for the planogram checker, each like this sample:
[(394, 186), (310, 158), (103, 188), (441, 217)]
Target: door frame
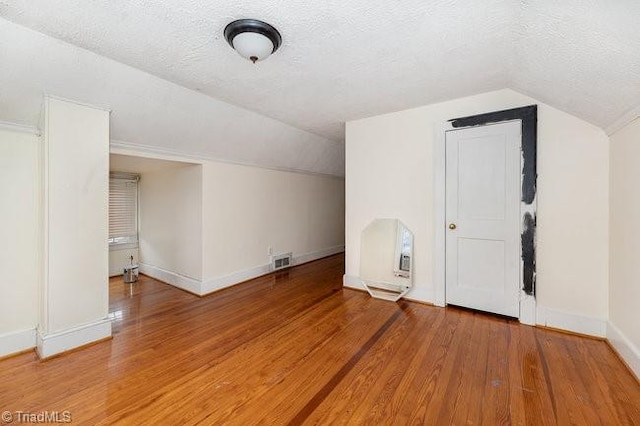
[(528, 116)]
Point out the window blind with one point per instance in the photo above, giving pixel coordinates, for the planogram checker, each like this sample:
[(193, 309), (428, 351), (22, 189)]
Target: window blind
[(123, 209)]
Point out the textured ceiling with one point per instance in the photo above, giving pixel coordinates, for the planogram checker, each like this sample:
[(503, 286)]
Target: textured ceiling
[(343, 60), (150, 115)]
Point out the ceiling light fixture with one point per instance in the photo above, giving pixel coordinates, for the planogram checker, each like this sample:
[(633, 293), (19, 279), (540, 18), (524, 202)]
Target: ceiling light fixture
[(253, 39)]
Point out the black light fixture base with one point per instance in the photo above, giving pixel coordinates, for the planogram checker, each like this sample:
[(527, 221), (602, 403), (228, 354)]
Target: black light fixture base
[(254, 26)]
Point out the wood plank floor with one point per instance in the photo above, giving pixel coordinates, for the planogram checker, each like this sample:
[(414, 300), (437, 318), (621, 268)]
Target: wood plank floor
[(296, 348)]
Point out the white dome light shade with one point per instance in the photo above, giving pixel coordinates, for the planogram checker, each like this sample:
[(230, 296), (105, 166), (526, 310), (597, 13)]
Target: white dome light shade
[(253, 46), (253, 39)]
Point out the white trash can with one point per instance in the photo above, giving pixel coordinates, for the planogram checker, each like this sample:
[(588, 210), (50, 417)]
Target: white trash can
[(130, 274)]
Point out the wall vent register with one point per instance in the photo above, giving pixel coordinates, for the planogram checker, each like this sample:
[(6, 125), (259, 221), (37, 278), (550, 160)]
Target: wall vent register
[(281, 261)]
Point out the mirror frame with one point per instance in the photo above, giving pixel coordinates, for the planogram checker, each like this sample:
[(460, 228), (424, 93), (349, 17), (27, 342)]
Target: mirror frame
[(384, 290)]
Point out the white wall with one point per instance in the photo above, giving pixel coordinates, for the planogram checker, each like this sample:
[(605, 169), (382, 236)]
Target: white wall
[(19, 232), (390, 171), (207, 226), (624, 291), (76, 191), (119, 258), (248, 209), (171, 221), (573, 219)]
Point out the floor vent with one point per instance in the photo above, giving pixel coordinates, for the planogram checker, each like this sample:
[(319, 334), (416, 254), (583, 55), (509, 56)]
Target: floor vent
[(282, 261)]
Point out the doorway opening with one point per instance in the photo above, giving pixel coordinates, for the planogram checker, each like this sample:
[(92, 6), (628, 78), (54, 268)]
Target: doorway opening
[(144, 217)]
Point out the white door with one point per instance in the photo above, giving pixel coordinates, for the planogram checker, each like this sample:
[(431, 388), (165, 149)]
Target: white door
[(482, 213)]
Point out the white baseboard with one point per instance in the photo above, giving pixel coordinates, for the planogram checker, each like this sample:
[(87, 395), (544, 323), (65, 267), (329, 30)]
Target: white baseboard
[(219, 283), (421, 293), (185, 283), (202, 288), (351, 281), (315, 255), (571, 322), (625, 348), (17, 341), (62, 341), (529, 313), (527, 309)]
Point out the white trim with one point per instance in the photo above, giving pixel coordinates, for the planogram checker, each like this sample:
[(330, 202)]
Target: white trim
[(72, 101), (621, 122), (624, 347), (124, 246), (153, 152), (527, 309), (202, 288), (149, 151), (315, 255), (62, 341), (420, 293), (234, 278), (439, 217), (571, 322), (17, 341), (44, 221), (351, 281), (183, 282), (21, 128), (527, 303)]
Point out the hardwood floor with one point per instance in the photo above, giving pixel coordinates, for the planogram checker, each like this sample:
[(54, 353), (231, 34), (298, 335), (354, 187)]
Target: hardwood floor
[(296, 348)]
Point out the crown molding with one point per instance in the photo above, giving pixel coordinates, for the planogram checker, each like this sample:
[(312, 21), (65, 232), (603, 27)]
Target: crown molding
[(625, 119), (22, 128), (149, 151)]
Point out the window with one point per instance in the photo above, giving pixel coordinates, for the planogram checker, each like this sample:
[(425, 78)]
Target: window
[(123, 210)]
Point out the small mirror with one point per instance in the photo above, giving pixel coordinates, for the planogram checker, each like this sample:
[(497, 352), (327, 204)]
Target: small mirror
[(386, 259)]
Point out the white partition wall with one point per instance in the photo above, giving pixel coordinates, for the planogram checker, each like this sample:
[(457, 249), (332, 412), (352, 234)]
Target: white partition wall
[(75, 296), (19, 218), (623, 328), (171, 226)]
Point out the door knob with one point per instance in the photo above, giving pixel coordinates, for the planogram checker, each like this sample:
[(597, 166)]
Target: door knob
[(452, 226)]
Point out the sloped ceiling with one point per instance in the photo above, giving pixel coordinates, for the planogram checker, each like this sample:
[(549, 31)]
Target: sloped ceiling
[(344, 60)]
